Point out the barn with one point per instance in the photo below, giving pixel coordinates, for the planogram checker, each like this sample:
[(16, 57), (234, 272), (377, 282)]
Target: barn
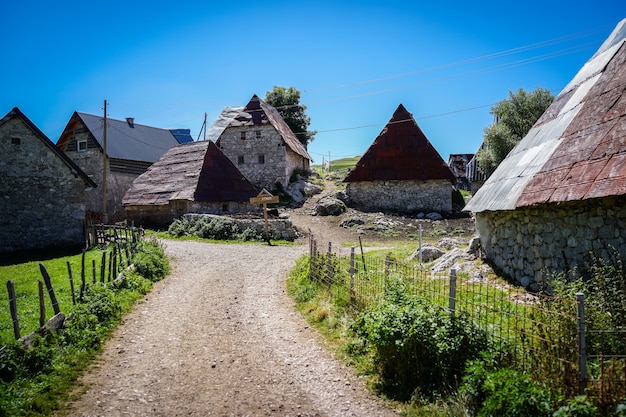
[(189, 178), (401, 172), (42, 191), (559, 197)]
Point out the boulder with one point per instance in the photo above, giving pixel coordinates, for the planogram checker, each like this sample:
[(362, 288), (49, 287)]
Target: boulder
[(434, 216), (329, 206), (428, 252)]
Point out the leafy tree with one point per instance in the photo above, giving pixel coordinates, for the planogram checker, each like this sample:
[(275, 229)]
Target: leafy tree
[(513, 119), (287, 102)]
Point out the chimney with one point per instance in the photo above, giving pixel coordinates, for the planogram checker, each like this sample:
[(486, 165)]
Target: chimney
[(131, 122)]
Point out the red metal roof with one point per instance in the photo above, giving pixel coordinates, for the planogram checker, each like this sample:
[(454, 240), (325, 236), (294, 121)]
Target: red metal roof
[(400, 152)]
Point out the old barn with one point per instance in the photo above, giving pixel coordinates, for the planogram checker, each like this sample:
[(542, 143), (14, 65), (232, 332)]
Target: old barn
[(559, 197), (401, 172), (190, 178)]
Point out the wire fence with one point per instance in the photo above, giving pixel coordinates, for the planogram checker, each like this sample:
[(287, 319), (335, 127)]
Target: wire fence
[(543, 335)]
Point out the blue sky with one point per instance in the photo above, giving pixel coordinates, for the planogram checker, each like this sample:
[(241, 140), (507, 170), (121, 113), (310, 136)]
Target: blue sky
[(168, 63)]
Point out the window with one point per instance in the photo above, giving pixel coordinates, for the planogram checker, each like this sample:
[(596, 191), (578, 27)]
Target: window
[(258, 134), (243, 136), (81, 145), (261, 159), (16, 141), (240, 159)]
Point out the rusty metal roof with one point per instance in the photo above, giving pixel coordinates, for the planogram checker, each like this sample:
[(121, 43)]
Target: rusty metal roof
[(400, 152), (258, 112), (196, 171), (577, 148)]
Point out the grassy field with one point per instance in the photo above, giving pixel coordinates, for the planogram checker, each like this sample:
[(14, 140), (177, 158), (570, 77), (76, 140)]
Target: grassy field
[(338, 165), (25, 274)]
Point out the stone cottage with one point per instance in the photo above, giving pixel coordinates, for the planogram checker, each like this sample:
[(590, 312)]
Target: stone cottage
[(401, 172), (42, 191), (130, 148), (458, 163), (190, 178), (262, 146), (560, 195)]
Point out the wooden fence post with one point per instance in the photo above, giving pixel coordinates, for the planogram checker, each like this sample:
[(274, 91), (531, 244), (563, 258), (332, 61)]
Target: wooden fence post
[(46, 280), (314, 262), (13, 308), (42, 305), (452, 302), (69, 271), (103, 266), (387, 267), (330, 265), (93, 270), (82, 276), (352, 273), (582, 344)]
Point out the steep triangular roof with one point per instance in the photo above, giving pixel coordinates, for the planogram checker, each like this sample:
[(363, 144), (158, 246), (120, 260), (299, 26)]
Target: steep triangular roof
[(577, 149), (196, 171), (17, 113), (258, 112), (400, 152), (125, 139)]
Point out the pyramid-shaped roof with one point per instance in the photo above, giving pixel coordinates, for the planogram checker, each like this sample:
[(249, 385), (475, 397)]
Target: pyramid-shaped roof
[(577, 148), (400, 152), (196, 171), (258, 112)]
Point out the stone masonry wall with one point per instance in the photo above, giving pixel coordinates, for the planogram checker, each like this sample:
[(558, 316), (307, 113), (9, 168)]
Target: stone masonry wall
[(264, 157), (527, 243), (401, 196), (41, 200)]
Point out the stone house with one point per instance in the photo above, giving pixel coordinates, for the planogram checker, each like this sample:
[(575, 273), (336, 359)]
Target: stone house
[(559, 197), (42, 191), (189, 178), (130, 149), (401, 172), (261, 145)]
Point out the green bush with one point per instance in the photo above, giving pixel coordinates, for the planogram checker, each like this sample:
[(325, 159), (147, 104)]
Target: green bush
[(418, 349), (503, 392), (577, 407), (150, 261), (215, 228)]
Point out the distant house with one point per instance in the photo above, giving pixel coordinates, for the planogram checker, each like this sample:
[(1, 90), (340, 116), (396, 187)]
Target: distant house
[(42, 191), (560, 194), (262, 146), (190, 178), (458, 165), (475, 174), (401, 172), (131, 148)]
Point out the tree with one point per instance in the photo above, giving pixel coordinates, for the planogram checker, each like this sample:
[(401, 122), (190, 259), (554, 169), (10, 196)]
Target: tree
[(287, 102), (513, 119)]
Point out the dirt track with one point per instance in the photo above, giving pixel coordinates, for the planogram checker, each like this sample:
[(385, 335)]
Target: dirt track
[(220, 337)]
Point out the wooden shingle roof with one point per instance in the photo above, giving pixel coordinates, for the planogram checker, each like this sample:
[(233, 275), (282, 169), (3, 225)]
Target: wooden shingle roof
[(577, 148), (400, 152), (196, 171)]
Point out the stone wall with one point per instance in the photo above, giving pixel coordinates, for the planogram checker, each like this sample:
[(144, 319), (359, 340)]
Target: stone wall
[(41, 200), (529, 242), (261, 157), (161, 216), (279, 229), (401, 196)]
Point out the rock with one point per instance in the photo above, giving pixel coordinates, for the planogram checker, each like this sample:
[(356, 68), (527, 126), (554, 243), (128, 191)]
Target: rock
[(329, 206), (449, 243), (448, 260), (434, 216), (341, 195), (311, 189), (525, 281), (352, 221), (474, 244), (429, 253)]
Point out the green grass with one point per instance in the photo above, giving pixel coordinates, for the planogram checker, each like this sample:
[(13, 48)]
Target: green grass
[(25, 276), (343, 164)]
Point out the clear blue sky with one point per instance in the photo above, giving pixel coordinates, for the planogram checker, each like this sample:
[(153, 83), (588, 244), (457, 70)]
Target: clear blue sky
[(167, 63)]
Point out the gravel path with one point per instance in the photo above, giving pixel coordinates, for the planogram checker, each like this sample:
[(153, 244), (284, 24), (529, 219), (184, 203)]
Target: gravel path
[(220, 337)]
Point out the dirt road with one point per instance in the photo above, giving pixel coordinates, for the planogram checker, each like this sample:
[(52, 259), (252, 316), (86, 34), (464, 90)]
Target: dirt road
[(220, 337)]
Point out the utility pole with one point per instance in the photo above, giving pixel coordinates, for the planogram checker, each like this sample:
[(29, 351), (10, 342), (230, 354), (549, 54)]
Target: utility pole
[(104, 166), (203, 128), (328, 161)]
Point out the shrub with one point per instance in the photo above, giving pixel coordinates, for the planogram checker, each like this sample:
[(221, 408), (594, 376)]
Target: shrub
[(417, 347), (577, 407), (150, 261)]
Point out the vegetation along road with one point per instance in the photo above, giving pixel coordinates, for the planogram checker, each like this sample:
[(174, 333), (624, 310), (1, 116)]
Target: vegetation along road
[(220, 337)]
